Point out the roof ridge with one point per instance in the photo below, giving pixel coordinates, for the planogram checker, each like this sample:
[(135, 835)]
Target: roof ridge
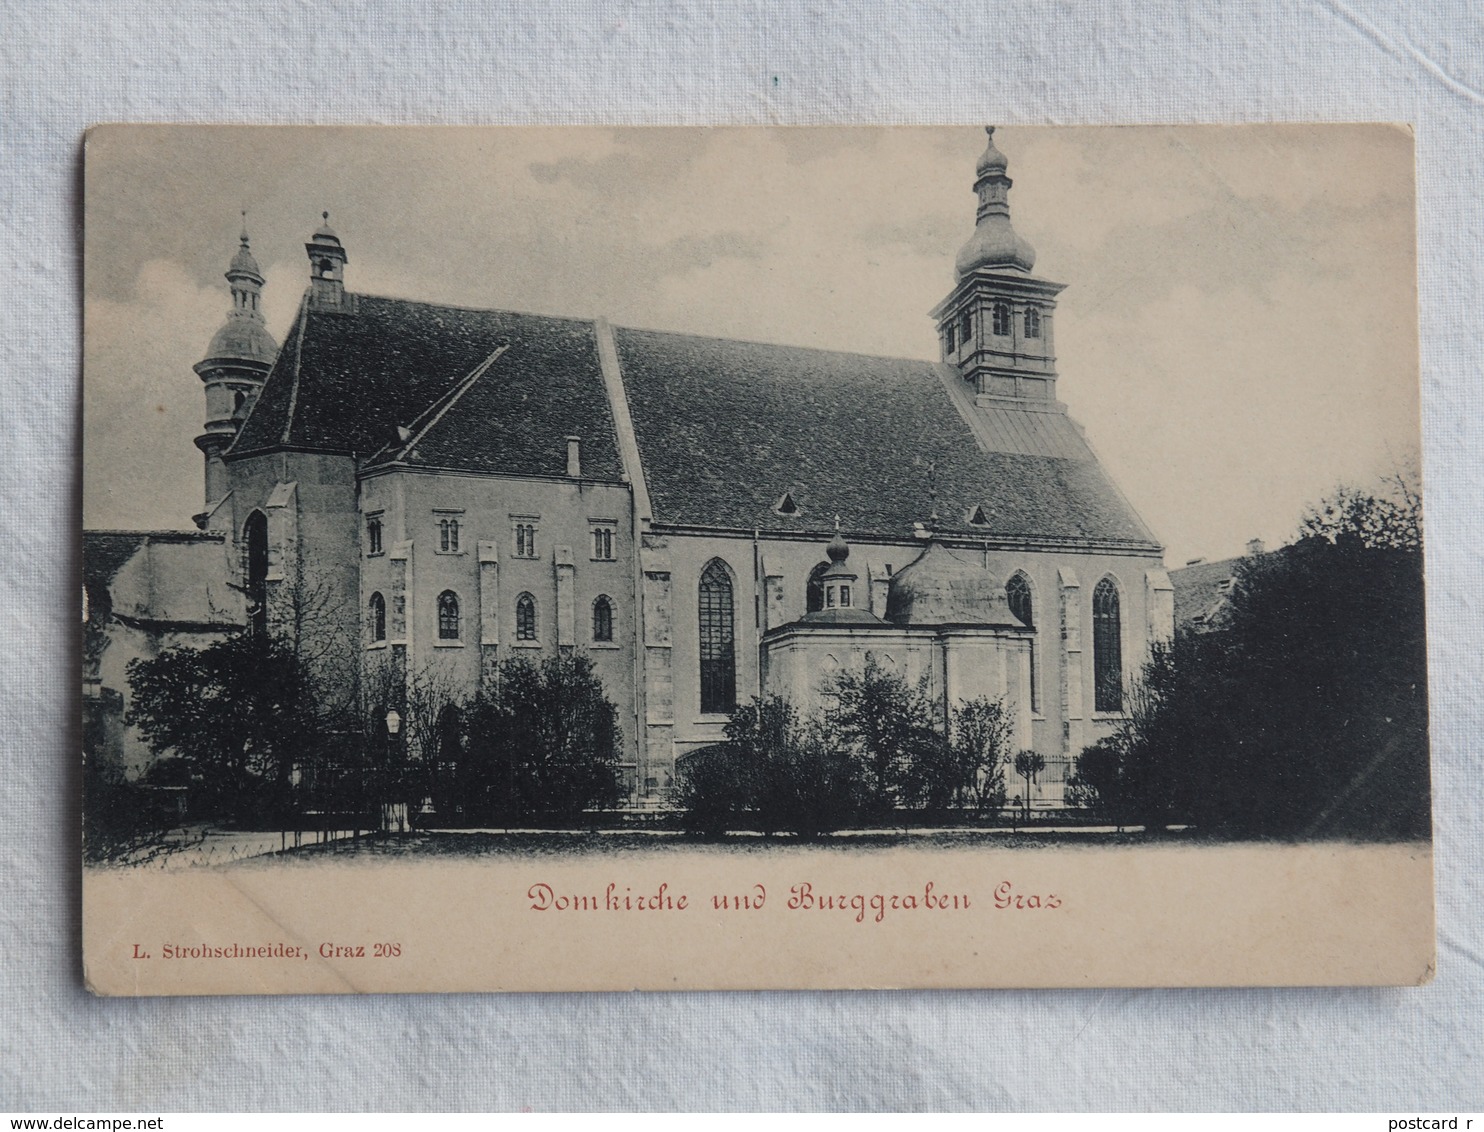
[(471, 309), (153, 532), (778, 345), (303, 322), (642, 329), (451, 398)]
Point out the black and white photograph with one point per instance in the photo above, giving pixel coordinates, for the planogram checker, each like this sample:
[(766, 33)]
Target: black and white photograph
[(744, 557)]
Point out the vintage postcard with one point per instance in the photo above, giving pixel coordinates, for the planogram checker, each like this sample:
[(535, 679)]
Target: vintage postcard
[(566, 559)]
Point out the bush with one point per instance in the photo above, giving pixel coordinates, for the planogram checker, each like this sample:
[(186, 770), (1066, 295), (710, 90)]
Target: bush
[(544, 741), (773, 774)]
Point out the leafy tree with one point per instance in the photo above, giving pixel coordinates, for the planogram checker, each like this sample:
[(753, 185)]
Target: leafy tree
[(892, 729), (774, 773), (967, 769), (239, 712), (544, 741), (1029, 764), (1307, 714)]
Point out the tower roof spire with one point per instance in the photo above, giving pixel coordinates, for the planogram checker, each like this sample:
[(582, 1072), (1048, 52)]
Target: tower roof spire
[(995, 243)]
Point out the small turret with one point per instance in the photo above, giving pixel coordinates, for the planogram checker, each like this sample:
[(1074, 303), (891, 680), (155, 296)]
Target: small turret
[(327, 260), (237, 362), (840, 588)]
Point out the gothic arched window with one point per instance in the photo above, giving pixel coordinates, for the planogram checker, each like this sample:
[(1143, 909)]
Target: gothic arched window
[(376, 617), (1018, 595), (255, 535), (602, 619), (525, 618), (814, 589), (1107, 647), (448, 616), (1032, 322), (1001, 319), (717, 622)]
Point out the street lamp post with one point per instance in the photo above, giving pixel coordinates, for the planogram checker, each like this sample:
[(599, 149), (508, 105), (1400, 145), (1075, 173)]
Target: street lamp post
[(392, 809)]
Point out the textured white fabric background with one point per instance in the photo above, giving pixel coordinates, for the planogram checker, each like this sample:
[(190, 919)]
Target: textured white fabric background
[(64, 66)]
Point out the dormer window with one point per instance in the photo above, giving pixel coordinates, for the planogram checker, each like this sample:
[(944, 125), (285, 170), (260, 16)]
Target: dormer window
[(1032, 322), (786, 505), (1001, 321), (977, 517)]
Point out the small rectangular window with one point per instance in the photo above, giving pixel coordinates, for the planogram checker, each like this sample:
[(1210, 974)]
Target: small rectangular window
[(450, 531), (948, 339), (524, 531), (603, 543)]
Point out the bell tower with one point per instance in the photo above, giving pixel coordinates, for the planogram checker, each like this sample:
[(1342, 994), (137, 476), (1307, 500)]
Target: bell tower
[(236, 364), (997, 326), (327, 260)]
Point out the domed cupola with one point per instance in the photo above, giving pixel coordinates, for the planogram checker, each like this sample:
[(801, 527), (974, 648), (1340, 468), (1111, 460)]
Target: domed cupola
[(840, 589), (244, 336), (940, 588), (237, 362), (995, 243), (996, 326)]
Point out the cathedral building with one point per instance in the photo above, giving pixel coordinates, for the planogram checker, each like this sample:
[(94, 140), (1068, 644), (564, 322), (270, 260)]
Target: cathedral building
[(708, 520)]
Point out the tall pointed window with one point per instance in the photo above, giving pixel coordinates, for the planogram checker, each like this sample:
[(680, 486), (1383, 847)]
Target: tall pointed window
[(1107, 647), (814, 589), (448, 616), (255, 535), (525, 618), (1001, 322), (603, 619), (1032, 322), (966, 327), (718, 641), (376, 618), (1018, 595)]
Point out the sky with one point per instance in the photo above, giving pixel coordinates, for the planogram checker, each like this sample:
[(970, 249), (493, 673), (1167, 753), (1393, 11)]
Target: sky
[(1238, 332)]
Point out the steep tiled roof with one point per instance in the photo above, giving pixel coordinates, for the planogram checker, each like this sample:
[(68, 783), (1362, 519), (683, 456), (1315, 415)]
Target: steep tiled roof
[(344, 382), (725, 428), (1202, 590), (104, 554), (174, 578)]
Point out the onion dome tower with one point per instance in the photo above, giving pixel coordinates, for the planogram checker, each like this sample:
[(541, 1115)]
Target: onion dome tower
[(996, 325), (237, 362), (841, 591)]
